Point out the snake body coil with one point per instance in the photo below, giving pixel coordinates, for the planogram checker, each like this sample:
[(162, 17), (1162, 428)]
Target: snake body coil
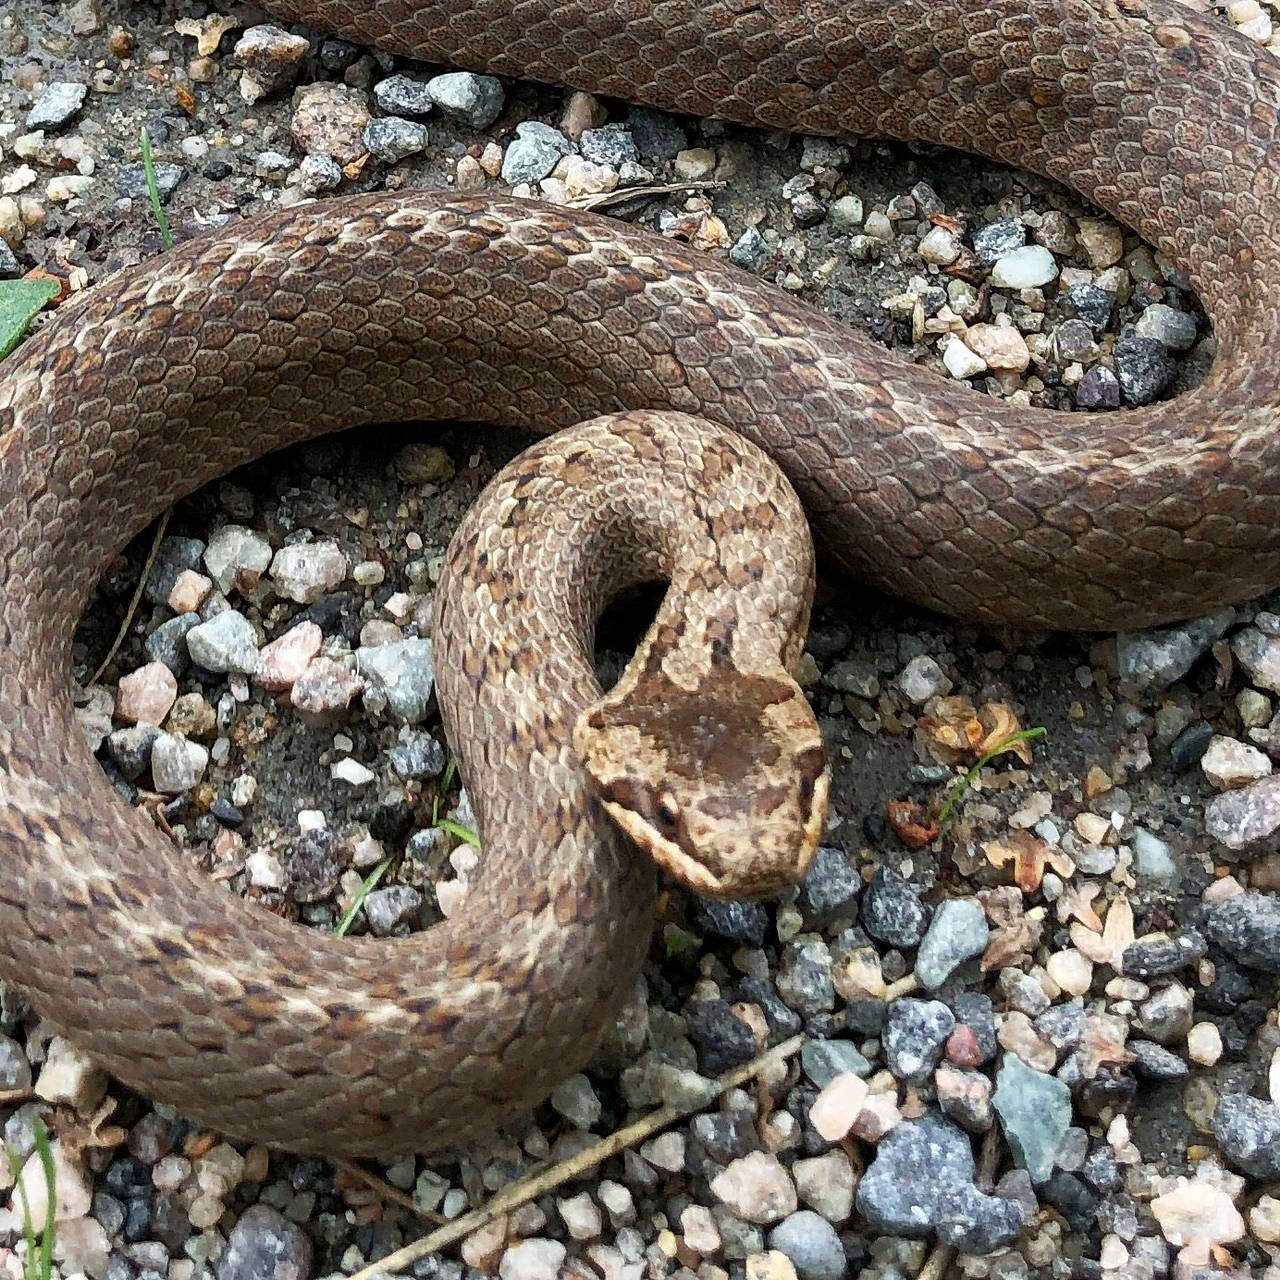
[(424, 306)]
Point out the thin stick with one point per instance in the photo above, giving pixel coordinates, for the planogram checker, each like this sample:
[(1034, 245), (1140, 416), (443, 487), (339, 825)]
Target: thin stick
[(599, 199), (15, 1095), (938, 1262), (136, 599), (385, 1189), (529, 1188)]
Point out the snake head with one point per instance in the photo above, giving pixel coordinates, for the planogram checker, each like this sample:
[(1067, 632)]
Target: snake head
[(724, 784)]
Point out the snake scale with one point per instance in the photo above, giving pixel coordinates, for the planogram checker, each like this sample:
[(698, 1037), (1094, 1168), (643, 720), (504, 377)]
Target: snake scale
[(437, 305)]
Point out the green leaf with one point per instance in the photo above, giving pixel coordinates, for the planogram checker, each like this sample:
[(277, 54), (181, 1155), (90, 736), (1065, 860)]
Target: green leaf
[(20, 302), (153, 190), (458, 831), (39, 1263)]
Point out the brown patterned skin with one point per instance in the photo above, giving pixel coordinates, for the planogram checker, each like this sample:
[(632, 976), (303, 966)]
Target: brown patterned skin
[(425, 306)]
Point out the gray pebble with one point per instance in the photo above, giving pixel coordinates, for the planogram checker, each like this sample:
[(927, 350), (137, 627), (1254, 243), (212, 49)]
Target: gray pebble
[(830, 888), (59, 103), (1247, 926), (611, 144), (1035, 1113), (1153, 660), (1092, 305), (1173, 329), (131, 181), (130, 748), (915, 1033), (15, 1070), (9, 264), (1161, 957), (389, 909), (996, 239), (823, 1060), (751, 251), (225, 643), (1156, 1062), (957, 932), (418, 756), (922, 1181), (474, 99), (401, 96), (403, 673), (392, 138), (1248, 1131), (264, 1245), (1098, 389), (175, 556), (1144, 368), (892, 911), (812, 1244), (176, 763), (737, 921), (537, 150), (168, 642)]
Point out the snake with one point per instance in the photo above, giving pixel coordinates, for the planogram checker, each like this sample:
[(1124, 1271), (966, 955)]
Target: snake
[(357, 311)]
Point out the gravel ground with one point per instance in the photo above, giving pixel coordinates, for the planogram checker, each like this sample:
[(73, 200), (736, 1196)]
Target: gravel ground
[(1041, 1040)]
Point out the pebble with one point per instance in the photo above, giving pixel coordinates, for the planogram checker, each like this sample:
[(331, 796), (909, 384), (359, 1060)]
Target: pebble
[(282, 662), (1156, 1062), (175, 557), (1197, 1211), (1204, 1044), (915, 1033), (1098, 389), (272, 58), (576, 1100), (701, 1234), (403, 674), (329, 119), (1247, 926), (922, 1181), (998, 239), (1035, 1113), (1092, 305), (957, 932), (756, 1188), (226, 643), (130, 749), (812, 1244), (146, 695), (836, 1109), (1166, 1016), (325, 687), (57, 105), (308, 570), (823, 1060), (1248, 1131), (999, 346), (1027, 267), (474, 99), (131, 180), (394, 907), (392, 138), (1175, 330), (826, 1183), (68, 1077), (922, 679), (1144, 368), (1155, 659), (402, 96), (1159, 957), (1230, 764), (965, 1097), (581, 1216), (961, 361), (264, 1245), (534, 153), (1259, 654), (234, 550), (1240, 818), (177, 764), (190, 591), (892, 911), (417, 756), (830, 888), (15, 1070)]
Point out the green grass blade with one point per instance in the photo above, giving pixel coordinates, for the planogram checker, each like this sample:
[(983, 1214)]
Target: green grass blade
[(957, 791), (462, 833), (369, 885), (153, 191), (51, 1189)]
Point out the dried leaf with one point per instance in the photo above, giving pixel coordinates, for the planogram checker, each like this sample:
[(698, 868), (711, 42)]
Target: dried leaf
[(911, 823), (1117, 935), (1027, 856), (1076, 903)]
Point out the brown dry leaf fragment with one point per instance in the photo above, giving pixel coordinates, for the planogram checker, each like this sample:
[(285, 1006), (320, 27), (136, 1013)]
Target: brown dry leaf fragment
[(1015, 931), (958, 733), (207, 32), (1001, 723), (911, 823), (1026, 856), (1076, 903), (1109, 946), (79, 1134)]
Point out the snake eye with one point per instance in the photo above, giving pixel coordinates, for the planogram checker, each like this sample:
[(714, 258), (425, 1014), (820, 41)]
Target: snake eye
[(668, 809)]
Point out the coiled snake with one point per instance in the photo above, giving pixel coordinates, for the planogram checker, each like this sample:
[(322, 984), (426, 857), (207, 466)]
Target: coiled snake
[(423, 306)]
